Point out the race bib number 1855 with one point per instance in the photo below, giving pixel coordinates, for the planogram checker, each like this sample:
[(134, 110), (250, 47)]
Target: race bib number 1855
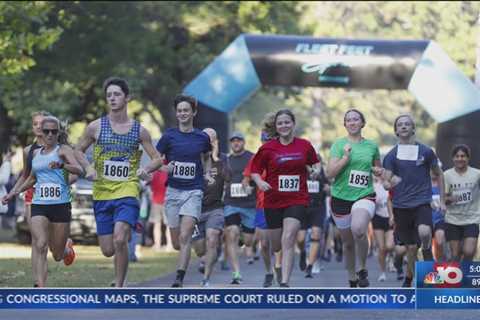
[(358, 179)]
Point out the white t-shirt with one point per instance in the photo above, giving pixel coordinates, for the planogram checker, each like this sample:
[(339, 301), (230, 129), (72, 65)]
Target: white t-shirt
[(465, 188), (381, 200)]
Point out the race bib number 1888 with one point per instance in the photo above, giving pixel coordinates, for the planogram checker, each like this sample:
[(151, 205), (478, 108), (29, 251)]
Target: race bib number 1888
[(184, 170)]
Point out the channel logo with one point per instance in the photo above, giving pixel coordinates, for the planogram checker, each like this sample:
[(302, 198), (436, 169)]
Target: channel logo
[(444, 275)]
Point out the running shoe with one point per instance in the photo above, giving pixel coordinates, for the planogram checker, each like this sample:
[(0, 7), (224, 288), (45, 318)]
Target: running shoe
[(268, 282), (250, 261), (308, 272), (382, 277), (201, 267), (407, 283), (278, 275), (178, 283), (303, 260), (237, 278), (69, 255), (353, 283), (205, 283), (363, 278), (284, 285), (400, 274)]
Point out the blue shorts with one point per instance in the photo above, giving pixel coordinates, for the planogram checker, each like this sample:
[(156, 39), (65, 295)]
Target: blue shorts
[(247, 216), (108, 212), (260, 221)]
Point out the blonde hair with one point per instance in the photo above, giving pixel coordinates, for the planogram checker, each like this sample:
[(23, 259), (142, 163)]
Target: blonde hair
[(268, 125), (62, 128)]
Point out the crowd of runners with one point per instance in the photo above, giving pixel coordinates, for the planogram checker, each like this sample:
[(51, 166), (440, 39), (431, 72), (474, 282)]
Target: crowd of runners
[(281, 203)]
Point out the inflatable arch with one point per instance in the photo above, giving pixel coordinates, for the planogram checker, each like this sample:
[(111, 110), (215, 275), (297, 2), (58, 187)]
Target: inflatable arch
[(419, 66)]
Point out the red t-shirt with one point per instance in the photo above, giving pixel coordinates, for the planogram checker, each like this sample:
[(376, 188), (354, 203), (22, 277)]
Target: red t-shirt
[(286, 171), (247, 172), (159, 186)]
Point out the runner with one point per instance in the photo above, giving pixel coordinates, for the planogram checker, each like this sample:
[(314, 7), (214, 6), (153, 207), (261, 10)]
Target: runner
[(209, 228), (158, 188), (382, 228), (51, 207), (315, 218), (261, 233), (187, 151), (239, 206), (37, 118), (414, 163), (463, 205), (353, 196), (438, 222), (285, 160), (115, 171)]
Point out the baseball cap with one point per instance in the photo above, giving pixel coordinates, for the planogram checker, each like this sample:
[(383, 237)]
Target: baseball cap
[(237, 135)]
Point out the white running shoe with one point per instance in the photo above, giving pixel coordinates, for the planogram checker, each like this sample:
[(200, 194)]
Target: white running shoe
[(382, 277)]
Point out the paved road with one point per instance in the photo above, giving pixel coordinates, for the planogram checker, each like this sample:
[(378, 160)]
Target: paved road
[(334, 275)]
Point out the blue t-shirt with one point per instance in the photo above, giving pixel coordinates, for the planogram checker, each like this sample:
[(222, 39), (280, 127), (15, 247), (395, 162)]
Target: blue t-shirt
[(412, 163), (185, 148)]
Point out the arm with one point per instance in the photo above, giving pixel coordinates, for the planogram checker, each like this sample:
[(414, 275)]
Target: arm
[(155, 156), (438, 173), (336, 165), (70, 162), (21, 178), (207, 166), (88, 138), (391, 220), (261, 184), (29, 183)]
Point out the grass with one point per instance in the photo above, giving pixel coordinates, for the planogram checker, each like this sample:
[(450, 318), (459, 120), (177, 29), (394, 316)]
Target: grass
[(90, 269)]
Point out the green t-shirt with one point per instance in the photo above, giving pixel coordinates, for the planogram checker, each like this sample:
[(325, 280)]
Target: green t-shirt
[(354, 181)]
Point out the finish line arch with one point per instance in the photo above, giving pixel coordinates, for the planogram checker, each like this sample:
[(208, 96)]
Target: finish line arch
[(419, 66)]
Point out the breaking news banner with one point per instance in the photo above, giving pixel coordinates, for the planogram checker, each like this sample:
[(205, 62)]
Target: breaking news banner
[(133, 298), (448, 285)]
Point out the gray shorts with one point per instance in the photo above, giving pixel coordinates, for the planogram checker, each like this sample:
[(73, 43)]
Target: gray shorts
[(157, 213), (182, 203), (208, 220)]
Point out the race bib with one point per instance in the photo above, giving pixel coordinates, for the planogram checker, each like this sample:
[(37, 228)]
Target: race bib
[(407, 152), (237, 190), (49, 191), (288, 183), (184, 170), (313, 186), (116, 170), (463, 196), (359, 179)]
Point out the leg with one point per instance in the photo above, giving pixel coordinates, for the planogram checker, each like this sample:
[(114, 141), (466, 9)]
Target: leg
[(380, 239), (349, 253), (121, 236), (359, 227), (439, 244), (213, 239), (455, 250), (232, 234), (58, 235), (39, 229), (290, 229), (187, 223), (469, 248)]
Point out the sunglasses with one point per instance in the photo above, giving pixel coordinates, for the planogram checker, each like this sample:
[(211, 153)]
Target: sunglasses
[(48, 131)]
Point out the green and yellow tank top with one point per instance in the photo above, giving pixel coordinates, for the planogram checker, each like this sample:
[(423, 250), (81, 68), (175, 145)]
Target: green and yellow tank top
[(116, 158)]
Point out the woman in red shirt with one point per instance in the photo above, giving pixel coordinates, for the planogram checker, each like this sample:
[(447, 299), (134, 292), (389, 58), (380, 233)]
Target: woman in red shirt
[(287, 161)]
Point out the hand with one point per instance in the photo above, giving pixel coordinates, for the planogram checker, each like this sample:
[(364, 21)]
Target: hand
[(170, 167), (209, 179), (91, 174), (144, 175), (315, 174), (377, 171), (8, 156), (391, 221), (6, 199), (347, 149), (264, 186), (395, 181), (56, 165), (443, 207)]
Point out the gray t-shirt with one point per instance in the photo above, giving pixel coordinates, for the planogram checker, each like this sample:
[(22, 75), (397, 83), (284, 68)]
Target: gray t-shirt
[(235, 195)]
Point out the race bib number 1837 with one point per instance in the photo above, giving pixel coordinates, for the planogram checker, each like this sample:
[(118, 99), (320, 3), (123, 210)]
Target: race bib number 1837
[(289, 183)]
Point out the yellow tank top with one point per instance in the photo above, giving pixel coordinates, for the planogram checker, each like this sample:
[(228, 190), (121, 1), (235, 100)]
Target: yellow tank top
[(116, 159)]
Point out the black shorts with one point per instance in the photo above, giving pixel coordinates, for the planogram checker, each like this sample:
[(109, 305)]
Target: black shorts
[(236, 220), (407, 221), (342, 207), (315, 217), (454, 232), (440, 225), (56, 213), (380, 223), (274, 217)]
